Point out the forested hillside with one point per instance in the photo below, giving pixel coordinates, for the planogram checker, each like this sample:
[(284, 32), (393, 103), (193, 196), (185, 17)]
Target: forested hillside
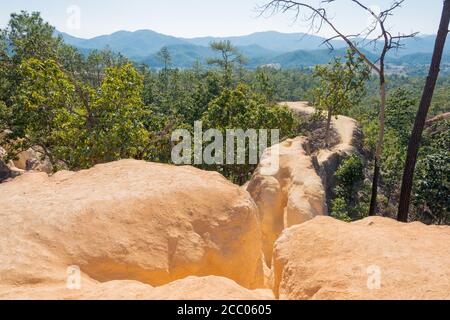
[(82, 108), (294, 50)]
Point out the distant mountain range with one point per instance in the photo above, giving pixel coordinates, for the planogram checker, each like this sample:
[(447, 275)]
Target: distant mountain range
[(287, 50)]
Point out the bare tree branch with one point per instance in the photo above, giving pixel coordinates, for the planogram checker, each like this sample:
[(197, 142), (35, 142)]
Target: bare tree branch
[(318, 17)]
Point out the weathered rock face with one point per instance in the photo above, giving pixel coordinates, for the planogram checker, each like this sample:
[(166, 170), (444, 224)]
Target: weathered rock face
[(350, 137), (376, 258), (5, 171), (191, 288), (32, 160), (29, 160), (349, 141), (291, 195), (128, 220), (209, 288), (301, 108)]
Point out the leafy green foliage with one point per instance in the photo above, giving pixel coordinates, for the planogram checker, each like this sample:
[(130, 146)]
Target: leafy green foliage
[(84, 110), (400, 113), (433, 187), (116, 129), (241, 108), (45, 103), (31, 37), (93, 69), (401, 110), (349, 179), (5, 115), (229, 58), (264, 85), (341, 85), (432, 181), (165, 57), (48, 113), (393, 159)]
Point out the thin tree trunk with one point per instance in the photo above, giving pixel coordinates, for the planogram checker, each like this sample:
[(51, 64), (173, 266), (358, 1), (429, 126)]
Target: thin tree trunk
[(328, 129), (376, 174), (416, 137)]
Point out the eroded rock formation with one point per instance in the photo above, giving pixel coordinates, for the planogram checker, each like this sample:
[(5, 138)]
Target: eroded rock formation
[(191, 288), (140, 230), (33, 160), (348, 140), (128, 220), (376, 258), (29, 160), (291, 195)]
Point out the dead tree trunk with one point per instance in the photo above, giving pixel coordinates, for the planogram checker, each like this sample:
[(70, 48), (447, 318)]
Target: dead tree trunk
[(416, 137), (379, 150)]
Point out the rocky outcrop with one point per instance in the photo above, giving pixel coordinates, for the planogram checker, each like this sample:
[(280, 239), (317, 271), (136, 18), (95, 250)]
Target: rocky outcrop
[(303, 109), (5, 171), (302, 188), (33, 160), (328, 161), (128, 220), (376, 258), (348, 136), (29, 160), (191, 288), (290, 195)]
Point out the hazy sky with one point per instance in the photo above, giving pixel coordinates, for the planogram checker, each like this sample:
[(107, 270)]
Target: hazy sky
[(191, 18)]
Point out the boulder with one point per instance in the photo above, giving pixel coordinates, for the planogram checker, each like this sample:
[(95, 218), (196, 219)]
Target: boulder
[(128, 220), (290, 195), (191, 288), (5, 171), (33, 160), (375, 258)]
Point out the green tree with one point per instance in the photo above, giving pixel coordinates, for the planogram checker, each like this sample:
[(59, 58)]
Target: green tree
[(118, 112), (424, 107), (401, 109), (72, 61), (349, 181), (74, 131), (432, 187), (5, 117), (25, 36), (6, 69), (432, 179), (98, 61), (31, 37), (164, 56), (264, 85), (340, 86), (229, 56), (393, 157), (44, 107), (243, 109)]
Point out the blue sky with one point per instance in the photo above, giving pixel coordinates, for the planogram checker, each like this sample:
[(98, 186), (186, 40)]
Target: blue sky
[(191, 18)]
